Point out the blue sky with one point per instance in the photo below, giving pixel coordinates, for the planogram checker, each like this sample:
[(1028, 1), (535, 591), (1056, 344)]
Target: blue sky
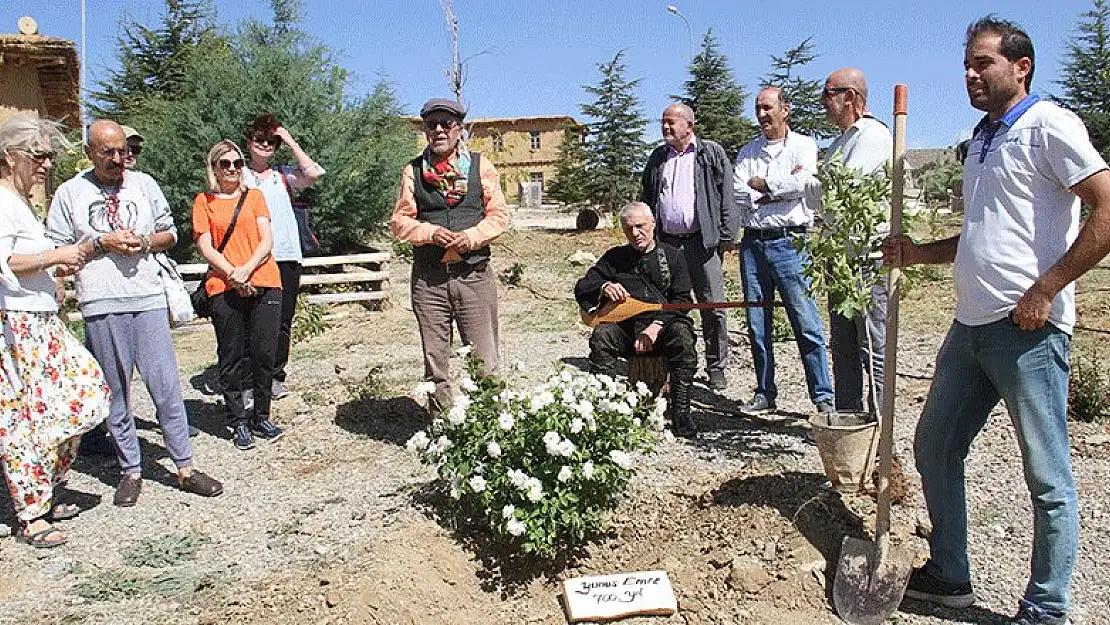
[(542, 52)]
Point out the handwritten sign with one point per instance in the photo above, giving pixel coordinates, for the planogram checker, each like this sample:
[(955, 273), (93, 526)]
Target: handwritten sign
[(610, 597)]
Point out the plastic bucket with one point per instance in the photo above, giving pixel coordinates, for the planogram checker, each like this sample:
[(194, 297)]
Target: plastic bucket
[(847, 443)]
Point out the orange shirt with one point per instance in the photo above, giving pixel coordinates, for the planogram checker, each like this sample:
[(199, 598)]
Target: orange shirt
[(212, 214)]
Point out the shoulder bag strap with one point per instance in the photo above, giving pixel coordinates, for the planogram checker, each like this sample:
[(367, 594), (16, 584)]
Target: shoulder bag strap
[(231, 225)]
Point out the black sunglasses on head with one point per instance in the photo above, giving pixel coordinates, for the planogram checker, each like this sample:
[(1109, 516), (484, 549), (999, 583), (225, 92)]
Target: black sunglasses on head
[(224, 163)]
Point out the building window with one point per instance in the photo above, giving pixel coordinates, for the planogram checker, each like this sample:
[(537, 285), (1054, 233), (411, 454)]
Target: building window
[(536, 176), (534, 137), (498, 142)]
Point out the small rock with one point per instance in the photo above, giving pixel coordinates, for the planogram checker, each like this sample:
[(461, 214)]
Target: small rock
[(322, 550), (358, 515), (59, 568), (769, 549), (581, 258), (5, 531), (332, 598), (923, 527), (747, 576)]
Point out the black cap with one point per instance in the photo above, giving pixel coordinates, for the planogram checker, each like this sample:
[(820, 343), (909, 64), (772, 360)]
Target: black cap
[(443, 104)]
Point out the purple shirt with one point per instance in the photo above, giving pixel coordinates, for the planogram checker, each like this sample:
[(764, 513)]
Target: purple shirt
[(676, 193)]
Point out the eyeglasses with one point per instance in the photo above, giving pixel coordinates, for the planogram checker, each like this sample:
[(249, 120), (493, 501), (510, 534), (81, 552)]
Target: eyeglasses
[(224, 163), (134, 150), (447, 124), (40, 157), (829, 92), (273, 140)]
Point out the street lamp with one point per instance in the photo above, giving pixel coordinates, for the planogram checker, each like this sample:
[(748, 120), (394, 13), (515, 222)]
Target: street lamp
[(689, 31)]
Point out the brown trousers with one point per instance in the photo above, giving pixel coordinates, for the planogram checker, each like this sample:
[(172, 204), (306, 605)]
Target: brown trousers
[(466, 294)]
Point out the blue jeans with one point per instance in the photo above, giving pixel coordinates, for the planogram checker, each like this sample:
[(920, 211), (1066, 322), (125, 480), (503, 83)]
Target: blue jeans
[(977, 366), (774, 264)]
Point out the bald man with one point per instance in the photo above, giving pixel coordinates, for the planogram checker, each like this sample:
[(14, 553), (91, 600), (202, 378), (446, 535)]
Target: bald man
[(865, 143), (687, 183), (123, 218)]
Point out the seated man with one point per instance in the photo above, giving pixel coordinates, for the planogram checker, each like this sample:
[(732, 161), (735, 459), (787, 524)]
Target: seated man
[(650, 272)]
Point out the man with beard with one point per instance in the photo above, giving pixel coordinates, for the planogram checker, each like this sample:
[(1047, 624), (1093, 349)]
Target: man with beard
[(651, 272), (450, 208), (123, 218), (1021, 249)]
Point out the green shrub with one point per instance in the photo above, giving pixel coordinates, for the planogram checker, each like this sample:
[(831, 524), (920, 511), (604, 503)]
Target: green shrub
[(1088, 389), (543, 468), (308, 321)]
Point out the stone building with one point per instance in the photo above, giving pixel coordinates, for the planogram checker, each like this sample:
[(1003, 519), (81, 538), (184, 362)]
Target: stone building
[(524, 149)]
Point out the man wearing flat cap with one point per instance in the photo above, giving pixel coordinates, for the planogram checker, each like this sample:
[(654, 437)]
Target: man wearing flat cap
[(450, 207)]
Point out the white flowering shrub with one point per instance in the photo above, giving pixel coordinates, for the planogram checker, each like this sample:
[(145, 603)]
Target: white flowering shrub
[(543, 467)]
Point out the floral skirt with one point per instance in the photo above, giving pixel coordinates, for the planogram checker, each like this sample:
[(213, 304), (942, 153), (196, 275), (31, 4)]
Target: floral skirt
[(51, 392)]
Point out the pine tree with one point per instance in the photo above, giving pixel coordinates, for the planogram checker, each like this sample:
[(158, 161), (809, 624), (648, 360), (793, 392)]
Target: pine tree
[(153, 61), (615, 149), (571, 184), (1086, 74), (717, 100), (807, 114)]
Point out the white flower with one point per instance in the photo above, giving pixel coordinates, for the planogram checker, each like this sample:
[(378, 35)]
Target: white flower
[(464, 351), (540, 400), (584, 409), (515, 527), (418, 442), (508, 511), (636, 422), (551, 442), (565, 448), (588, 469), (455, 492), (565, 473), (565, 376), (632, 398), (467, 384), (621, 459), (533, 489), (457, 415), (423, 390), (642, 388), (506, 421), (518, 478), (477, 483), (622, 408), (443, 443), (576, 425), (493, 449)]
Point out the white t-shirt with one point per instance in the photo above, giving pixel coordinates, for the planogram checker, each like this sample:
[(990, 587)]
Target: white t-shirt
[(1020, 216), (283, 224), (21, 232), (775, 162)]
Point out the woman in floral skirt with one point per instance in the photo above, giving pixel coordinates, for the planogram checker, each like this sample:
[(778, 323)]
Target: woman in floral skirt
[(51, 388)]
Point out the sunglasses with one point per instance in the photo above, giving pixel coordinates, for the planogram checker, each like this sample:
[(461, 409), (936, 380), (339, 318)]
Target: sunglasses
[(224, 163), (40, 157), (134, 150), (829, 92), (447, 124), (273, 140)]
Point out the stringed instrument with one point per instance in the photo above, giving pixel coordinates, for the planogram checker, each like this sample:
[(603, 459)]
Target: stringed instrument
[(615, 312)]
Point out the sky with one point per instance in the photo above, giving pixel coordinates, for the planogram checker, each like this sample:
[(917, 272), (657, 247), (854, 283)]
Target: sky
[(533, 57)]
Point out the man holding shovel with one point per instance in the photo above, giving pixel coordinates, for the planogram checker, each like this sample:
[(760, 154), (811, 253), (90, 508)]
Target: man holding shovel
[(1016, 259)]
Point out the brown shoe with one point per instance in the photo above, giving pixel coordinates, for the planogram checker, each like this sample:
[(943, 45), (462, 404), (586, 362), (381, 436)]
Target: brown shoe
[(127, 491), (200, 484)]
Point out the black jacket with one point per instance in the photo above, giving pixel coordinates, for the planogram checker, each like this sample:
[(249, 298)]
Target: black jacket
[(714, 197), (642, 276)]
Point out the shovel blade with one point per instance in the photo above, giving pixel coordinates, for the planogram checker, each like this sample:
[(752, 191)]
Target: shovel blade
[(869, 586)]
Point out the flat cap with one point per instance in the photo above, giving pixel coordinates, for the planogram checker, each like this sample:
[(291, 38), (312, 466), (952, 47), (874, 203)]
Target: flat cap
[(443, 104), (129, 132)]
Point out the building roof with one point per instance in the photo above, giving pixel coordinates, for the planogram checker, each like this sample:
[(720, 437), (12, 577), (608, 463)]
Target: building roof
[(57, 65), (916, 159)]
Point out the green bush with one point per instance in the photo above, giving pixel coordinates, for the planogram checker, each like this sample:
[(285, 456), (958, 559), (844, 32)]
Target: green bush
[(1088, 389), (308, 321), (544, 468)]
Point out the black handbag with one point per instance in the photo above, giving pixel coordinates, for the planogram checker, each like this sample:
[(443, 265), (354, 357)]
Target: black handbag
[(202, 303), (310, 243)]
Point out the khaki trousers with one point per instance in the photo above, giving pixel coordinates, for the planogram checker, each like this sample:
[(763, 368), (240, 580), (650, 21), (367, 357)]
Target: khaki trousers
[(465, 294)]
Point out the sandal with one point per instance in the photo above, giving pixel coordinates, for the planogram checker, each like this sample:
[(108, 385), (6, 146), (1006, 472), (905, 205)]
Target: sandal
[(38, 540), (64, 511)]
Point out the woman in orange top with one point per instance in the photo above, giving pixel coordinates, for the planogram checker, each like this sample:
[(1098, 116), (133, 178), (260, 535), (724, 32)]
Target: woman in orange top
[(244, 286)]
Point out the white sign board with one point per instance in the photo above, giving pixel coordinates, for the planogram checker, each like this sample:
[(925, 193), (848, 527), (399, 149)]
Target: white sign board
[(610, 597)]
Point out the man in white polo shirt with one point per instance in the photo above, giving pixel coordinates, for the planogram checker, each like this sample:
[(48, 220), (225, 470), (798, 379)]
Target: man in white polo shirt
[(1016, 260)]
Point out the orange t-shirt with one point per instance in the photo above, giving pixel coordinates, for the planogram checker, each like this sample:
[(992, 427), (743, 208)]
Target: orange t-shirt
[(212, 214)]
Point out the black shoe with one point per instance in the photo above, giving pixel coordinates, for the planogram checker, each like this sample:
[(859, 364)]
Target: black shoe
[(1029, 614), (758, 405), (242, 436), (265, 428), (128, 490), (717, 380), (925, 587)]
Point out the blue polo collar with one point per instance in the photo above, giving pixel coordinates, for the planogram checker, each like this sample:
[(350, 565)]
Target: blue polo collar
[(1011, 116)]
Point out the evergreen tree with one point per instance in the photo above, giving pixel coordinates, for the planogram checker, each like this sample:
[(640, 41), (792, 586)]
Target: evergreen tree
[(717, 100), (807, 114), (362, 142), (571, 184), (615, 149), (153, 61), (1086, 74)]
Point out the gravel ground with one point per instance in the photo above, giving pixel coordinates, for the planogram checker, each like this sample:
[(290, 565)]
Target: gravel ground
[(335, 523)]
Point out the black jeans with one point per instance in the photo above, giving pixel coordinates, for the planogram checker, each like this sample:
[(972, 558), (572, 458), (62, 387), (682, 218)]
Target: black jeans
[(246, 341), (676, 343), (290, 289)]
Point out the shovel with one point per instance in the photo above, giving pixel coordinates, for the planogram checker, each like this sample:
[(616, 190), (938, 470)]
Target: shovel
[(871, 577)]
